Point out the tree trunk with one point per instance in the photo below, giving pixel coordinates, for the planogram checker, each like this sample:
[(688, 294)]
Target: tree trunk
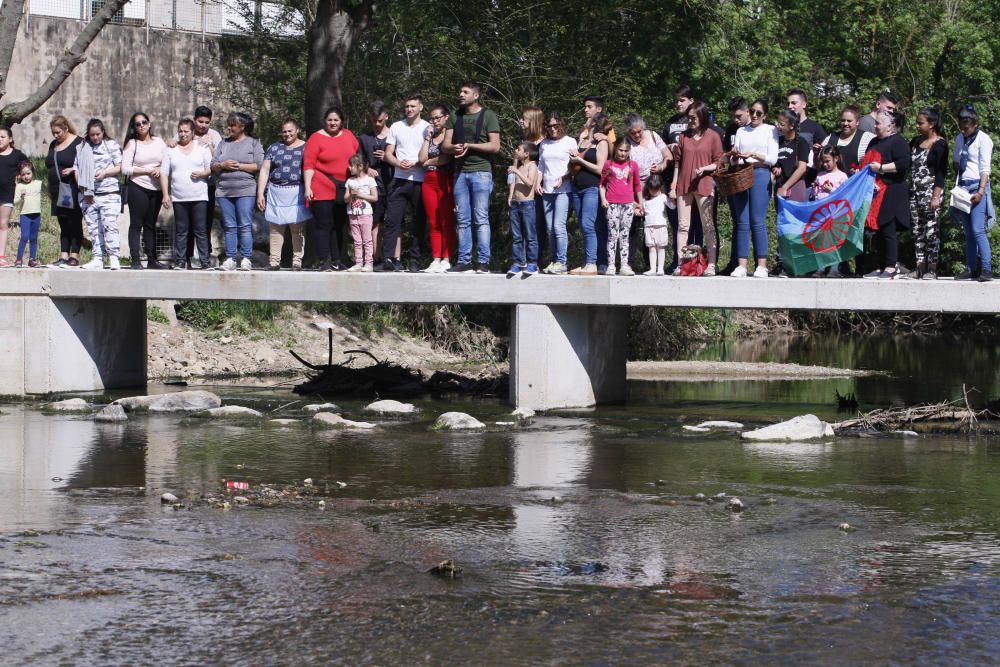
[(10, 22), (337, 26), (15, 112)]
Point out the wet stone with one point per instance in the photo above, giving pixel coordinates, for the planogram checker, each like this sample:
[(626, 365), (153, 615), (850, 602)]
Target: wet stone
[(111, 414)]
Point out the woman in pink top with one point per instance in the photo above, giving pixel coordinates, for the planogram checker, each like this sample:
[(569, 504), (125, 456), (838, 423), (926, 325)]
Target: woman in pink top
[(621, 195), (142, 158), (698, 151)]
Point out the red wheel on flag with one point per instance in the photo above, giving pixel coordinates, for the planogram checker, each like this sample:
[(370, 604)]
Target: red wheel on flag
[(828, 226)]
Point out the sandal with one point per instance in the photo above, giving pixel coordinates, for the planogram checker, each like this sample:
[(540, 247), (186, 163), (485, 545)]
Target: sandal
[(3, 262)]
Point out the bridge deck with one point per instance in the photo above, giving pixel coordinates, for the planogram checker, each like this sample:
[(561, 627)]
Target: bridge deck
[(405, 288)]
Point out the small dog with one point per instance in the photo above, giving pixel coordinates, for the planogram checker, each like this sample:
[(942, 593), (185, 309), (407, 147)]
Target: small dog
[(692, 260)]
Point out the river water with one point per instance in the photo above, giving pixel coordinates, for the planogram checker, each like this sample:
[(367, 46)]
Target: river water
[(578, 536)]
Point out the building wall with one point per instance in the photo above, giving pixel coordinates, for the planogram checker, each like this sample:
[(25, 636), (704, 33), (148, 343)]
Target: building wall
[(162, 73)]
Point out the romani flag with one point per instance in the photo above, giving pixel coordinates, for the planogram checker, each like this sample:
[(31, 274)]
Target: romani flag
[(817, 234)]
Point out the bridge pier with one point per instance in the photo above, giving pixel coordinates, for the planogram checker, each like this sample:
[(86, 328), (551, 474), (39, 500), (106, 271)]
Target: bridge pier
[(60, 345), (567, 356)]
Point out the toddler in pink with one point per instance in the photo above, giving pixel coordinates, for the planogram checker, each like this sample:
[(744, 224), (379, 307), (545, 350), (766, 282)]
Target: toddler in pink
[(362, 192)]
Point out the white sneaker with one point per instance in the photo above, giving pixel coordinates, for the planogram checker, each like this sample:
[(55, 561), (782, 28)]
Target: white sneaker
[(650, 272), (229, 264), (626, 271), (356, 268), (760, 272), (435, 267), (367, 268), (739, 272), (113, 264), (445, 265), (610, 271), (245, 265), (95, 264), (709, 271)]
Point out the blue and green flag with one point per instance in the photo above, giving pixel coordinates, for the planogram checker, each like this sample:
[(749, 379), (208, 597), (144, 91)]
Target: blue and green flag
[(817, 234)]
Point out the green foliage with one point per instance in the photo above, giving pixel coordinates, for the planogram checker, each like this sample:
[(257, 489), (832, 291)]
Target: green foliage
[(240, 317), (154, 314)]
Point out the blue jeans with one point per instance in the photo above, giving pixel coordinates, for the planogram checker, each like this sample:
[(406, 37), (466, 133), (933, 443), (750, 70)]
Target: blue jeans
[(977, 244), (751, 210), (522, 231), (472, 206), (556, 209), (30, 223), (586, 203), (237, 221)]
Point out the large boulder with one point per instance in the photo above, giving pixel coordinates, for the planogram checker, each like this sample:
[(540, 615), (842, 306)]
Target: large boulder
[(179, 401), (390, 407), (69, 405), (330, 420), (806, 427), (230, 412), (111, 414), (458, 421), (523, 415)]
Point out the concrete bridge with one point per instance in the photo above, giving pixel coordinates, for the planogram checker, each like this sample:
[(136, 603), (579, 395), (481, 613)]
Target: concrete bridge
[(64, 330)]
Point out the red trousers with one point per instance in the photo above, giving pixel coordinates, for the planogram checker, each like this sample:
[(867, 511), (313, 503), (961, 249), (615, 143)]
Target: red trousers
[(439, 203)]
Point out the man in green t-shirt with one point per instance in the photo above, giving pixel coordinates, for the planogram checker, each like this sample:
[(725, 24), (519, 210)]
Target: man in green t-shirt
[(472, 135)]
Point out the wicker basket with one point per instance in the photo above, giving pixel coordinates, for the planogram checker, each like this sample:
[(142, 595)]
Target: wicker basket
[(733, 178)]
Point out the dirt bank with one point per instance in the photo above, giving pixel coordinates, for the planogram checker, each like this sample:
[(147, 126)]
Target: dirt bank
[(180, 351)]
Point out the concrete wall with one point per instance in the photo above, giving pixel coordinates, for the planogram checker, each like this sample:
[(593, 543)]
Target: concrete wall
[(163, 73)]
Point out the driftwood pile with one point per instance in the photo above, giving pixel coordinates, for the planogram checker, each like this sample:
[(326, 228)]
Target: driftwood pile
[(386, 379), (933, 415)]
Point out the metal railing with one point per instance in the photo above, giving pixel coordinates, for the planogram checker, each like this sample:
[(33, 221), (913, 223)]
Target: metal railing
[(208, 17)]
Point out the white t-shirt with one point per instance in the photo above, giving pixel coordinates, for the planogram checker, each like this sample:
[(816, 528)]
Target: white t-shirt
[(980, 156), (407, 140), (655, 209), (367, 185), (761, 139), (180, 167), (553, 161)]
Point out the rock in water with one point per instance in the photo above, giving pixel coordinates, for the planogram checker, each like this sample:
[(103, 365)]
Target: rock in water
[(696, 429), (731, 426), (330, 420), (111, 414), (169, 498), (806, 427), (735, 505), (322, 407), (390, 407), (69, 405), (458, 421), (523, 415), (230, 412), (179, 401)]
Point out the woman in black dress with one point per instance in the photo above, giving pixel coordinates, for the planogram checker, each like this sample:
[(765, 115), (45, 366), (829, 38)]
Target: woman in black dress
[(892, 166), (10, 165), (59, 161)]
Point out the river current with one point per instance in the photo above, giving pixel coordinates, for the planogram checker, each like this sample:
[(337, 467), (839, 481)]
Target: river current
[(579, 537)]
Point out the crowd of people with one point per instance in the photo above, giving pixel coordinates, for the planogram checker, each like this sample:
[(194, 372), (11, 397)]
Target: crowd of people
[(626, 189)]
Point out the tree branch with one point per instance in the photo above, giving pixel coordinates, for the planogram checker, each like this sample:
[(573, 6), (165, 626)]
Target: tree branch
[(70, 60), (10, 20)]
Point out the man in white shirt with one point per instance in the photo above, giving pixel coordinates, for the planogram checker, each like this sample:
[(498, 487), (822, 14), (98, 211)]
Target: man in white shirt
[(402, 151)]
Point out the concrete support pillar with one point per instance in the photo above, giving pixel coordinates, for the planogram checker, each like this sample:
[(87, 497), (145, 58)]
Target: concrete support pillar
[(567, 356), (59, 345)]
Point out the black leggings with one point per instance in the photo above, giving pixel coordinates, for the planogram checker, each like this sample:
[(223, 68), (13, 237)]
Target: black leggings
[(70, 229), (887, 244), (329, 220), (190, 223), (401, 192), (143, 210)]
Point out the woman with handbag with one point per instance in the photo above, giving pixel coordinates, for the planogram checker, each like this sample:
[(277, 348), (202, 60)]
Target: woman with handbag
[(757, 145), (237, 160), (63, 192), (143, 157), (325, 172), (972, 158)]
